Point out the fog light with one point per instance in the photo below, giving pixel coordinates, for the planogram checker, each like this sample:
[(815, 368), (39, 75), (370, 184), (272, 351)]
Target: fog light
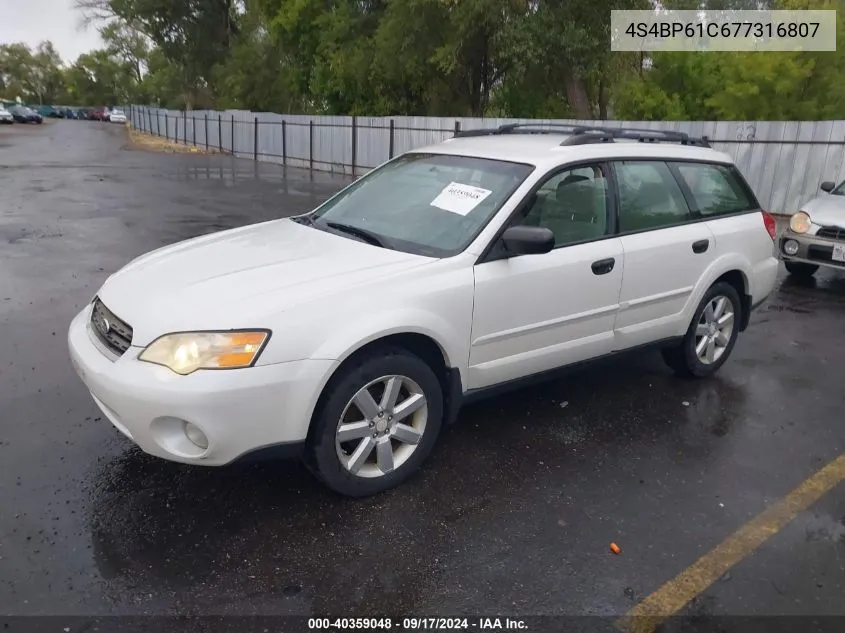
[(197, 437), (790, 247)]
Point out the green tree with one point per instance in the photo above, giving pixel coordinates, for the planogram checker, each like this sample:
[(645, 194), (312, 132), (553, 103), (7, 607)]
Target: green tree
[(47, 73), (561, 60), (195, 35), (100, 79), (34, 76), (255, 75), (127, 42), (16, 68)]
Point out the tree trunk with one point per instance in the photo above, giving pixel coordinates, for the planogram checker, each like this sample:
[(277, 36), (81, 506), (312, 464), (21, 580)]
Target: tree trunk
[(602, 100), (576, 94)]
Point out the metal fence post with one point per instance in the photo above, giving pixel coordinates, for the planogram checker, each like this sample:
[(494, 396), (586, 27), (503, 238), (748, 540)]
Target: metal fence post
[(206, 131), (176, 129), (311, 144), (185, 126), (284, 144), (457, 127), (166, 127), (158, 123), (194, 130), (354, 142), (149, 121), (233, 134), (220, 132), (255, 139), (390, 147)]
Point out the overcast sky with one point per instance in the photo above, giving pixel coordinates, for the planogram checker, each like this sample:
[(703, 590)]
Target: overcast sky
[(33, 21)]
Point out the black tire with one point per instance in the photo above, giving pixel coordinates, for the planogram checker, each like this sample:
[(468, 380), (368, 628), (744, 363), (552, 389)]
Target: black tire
[(682, 358), (321, 456), (800, 269)]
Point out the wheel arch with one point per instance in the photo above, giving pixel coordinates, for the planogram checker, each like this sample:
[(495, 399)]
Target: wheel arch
[(414, 341), (732, 269), (739, 281)]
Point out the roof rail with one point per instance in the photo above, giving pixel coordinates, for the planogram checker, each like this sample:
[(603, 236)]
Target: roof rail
[(521, 128), (597, 134), (585, 134)]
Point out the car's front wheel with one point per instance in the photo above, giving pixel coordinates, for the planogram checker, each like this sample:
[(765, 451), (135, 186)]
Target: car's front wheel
[(800, 269), (378, 423), (711, 336)]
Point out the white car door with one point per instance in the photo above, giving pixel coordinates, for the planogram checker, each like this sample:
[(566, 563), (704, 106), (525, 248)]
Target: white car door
[(666, 252), (533, 313)]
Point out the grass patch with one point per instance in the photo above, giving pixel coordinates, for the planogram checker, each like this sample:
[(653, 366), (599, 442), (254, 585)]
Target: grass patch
[(143, 141)]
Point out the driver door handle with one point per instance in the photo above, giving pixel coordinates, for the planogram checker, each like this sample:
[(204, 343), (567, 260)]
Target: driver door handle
[(603, 266)]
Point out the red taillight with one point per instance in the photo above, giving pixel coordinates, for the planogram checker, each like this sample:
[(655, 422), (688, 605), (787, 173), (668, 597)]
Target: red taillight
[(771, 224)]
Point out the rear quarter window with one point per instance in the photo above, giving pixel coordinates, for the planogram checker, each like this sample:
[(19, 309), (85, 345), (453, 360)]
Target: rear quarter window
[(716, 189)]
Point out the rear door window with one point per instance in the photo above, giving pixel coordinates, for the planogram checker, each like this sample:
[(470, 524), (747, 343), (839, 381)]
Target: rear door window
[(649, 196), (716, 189)]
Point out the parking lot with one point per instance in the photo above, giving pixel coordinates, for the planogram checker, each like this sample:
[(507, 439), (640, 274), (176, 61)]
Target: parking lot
[(514, 513)]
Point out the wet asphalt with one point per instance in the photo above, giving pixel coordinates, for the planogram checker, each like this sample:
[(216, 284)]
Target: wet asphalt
[(514, 512)]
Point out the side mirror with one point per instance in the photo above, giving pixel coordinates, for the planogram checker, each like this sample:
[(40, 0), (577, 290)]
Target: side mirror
[(528, 240), (828, 186)]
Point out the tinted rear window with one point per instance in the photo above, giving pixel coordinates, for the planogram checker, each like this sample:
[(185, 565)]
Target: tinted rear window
[(716, 189)]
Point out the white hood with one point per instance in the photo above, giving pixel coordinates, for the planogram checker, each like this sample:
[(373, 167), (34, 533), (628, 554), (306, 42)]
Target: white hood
[(238, 278), (827, 210)]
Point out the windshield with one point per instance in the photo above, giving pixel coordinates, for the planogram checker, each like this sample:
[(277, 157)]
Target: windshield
[(429, 204)]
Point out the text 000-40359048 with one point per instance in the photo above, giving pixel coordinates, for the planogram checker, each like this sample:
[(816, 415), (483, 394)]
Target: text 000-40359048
[(813, 30), (417, 624)]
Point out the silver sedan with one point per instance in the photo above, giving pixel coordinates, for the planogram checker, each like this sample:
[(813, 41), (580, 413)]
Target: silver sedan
[(816, 234)]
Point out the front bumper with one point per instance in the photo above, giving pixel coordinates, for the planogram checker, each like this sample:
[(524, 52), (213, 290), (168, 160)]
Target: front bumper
[(811, 250), (240, 411)]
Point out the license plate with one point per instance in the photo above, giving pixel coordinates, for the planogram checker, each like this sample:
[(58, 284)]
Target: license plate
[(839, 252)]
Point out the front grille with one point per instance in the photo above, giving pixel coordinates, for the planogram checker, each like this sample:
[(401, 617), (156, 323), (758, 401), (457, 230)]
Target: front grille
[(831, 233), (823, 254), (112, 332)]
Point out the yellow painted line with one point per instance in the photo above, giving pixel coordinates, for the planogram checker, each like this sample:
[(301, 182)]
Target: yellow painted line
[(675, 594)]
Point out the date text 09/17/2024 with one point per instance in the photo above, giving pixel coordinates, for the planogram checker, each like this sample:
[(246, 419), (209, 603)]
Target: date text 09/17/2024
[(416, 624)]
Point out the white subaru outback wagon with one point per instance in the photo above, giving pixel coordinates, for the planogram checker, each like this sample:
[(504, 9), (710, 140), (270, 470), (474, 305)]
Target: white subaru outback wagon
[(351, 334)]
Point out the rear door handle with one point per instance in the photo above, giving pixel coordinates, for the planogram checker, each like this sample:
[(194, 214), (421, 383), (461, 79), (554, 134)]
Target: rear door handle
[(603, 266), (700, 246)]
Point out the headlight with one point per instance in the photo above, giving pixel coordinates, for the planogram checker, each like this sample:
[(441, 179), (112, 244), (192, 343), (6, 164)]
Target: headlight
[(187, 352), (800, 222)]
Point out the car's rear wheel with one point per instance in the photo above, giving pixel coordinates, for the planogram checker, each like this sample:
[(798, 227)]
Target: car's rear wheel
[(711, 336), (377, 425), (800, 269)]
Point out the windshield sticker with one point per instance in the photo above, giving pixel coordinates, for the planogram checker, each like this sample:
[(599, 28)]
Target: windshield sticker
[(459, 198)]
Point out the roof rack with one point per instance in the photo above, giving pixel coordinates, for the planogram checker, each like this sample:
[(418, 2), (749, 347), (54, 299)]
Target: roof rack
[(587, 134), (521, 128)]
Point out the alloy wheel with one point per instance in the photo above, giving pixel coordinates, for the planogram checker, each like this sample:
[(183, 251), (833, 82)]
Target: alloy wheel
[(714, 330), (381, 426)]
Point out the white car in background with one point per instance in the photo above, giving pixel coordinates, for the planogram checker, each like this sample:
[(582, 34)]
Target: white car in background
[(353, 333), (816, 234), (117, 116), (6, 116)]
